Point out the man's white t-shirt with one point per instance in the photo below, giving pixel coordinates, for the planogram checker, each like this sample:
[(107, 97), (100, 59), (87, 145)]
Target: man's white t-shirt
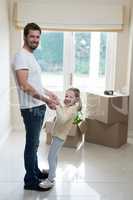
[(26, 60)]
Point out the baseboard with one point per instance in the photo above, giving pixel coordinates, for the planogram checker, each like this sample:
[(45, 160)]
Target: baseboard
[(4, 138)]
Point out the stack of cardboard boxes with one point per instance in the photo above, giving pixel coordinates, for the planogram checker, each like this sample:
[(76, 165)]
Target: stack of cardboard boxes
[(107, 120)]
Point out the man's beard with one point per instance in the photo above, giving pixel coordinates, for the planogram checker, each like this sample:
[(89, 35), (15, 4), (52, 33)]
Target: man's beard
[(31, 45)]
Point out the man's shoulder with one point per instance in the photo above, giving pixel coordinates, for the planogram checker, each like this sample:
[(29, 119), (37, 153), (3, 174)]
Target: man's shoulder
[(21, 59), (22, 53), (21, 56)]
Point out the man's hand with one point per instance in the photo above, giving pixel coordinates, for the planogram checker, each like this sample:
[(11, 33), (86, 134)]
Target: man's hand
[(52, 96), (51, 104)]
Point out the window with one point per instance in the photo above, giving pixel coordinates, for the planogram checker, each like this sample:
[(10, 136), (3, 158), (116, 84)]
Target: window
[(103, 47), (82, 53), (50, 57), (80, 59), (90, 60)]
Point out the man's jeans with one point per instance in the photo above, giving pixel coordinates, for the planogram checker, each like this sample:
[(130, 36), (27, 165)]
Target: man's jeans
[(33, 120)]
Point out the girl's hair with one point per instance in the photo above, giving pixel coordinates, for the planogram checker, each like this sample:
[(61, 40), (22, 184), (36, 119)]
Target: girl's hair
[(77, 95)]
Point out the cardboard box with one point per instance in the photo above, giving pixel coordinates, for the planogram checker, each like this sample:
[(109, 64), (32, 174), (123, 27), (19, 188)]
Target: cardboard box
[(107, 109), (111, 135), (74, 139)]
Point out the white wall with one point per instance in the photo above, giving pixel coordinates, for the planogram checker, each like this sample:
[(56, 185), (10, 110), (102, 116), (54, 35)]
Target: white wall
[(4, 71), (122, 67), (131, 75), (15, 45)]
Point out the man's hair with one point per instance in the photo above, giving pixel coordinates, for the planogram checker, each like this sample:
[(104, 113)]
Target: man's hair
[(31, 26), (77, 95)]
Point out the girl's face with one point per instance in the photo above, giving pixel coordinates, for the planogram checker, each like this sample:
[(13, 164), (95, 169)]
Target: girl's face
[(70, 98)]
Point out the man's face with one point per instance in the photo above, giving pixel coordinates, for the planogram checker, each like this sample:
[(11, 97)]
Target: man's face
[(32, 39)]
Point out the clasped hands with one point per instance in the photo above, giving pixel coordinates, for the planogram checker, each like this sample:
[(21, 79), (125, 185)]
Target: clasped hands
[(52, 101)]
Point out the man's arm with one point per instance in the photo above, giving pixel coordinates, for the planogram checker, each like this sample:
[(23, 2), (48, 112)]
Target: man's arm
[(22, 77), (51, 95)]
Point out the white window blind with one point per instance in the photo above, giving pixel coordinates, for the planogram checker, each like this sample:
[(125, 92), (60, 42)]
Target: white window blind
[(74, 16)]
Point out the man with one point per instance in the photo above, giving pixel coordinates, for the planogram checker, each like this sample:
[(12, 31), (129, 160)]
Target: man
[(33, 99)]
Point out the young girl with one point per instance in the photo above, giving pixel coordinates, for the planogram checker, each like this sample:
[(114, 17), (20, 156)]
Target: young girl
[(64, 119)]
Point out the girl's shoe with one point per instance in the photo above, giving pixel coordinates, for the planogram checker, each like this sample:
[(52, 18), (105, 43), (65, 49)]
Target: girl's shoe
[(47, 184)]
